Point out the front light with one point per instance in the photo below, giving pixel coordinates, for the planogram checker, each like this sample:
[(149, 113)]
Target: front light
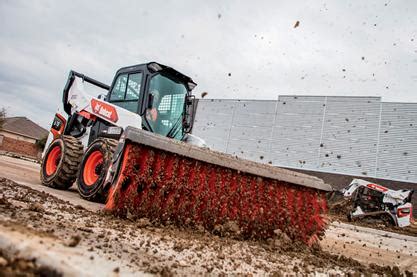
[(114, 130)]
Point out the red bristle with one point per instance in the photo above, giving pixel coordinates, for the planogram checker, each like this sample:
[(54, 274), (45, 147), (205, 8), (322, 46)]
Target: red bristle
[(172, 188)]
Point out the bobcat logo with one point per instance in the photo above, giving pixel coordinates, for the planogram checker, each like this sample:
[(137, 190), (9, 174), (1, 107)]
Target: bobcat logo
[(104, 110)]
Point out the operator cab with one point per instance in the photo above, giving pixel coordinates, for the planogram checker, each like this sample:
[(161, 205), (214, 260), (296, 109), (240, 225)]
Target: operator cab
[(160, 94)]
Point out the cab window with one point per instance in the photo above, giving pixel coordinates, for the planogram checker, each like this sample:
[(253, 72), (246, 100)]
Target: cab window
[(133, 86), (165, 115), (119, 89), (126, 90)]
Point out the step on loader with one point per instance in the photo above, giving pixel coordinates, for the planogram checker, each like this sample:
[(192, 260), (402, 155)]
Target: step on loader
[(131, 146)]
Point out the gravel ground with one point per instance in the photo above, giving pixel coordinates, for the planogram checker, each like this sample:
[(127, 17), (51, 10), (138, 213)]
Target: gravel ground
[(26, 239), (85, 237)]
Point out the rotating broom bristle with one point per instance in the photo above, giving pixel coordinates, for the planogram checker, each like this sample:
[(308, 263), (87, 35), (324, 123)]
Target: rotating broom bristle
[(176, 189)]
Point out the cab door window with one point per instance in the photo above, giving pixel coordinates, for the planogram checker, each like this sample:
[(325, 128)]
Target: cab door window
[(126, 90), (165, 115), (133, 86), (119, 89)]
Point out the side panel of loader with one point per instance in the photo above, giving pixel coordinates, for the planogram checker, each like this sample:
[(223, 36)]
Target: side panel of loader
[(177, 183)]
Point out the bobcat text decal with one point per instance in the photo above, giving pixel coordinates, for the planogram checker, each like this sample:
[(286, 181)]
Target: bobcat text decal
[(377, 187), (105, 110)]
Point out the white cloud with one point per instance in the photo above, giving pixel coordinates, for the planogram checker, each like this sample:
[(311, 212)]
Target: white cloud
[(40, 41)]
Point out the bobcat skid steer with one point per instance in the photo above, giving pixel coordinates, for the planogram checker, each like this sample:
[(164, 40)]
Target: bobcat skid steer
[(132, 147), (376, 201)]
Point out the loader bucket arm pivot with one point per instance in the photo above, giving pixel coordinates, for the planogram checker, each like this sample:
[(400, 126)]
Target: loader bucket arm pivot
[(174, 182)]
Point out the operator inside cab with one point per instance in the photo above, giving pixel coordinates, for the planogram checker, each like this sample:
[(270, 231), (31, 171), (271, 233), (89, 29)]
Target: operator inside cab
[(152, 113), (164, 113)]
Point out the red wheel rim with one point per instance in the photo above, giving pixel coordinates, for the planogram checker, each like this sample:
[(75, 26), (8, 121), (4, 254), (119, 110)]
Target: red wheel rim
[(91, 167), (53, 160)]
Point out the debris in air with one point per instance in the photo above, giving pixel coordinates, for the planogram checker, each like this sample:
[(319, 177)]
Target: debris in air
[(229, 74), (297, 24), (204, 94)]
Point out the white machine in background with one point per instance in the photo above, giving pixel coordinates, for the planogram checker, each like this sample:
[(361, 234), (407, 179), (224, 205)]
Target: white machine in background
[(373, 200)]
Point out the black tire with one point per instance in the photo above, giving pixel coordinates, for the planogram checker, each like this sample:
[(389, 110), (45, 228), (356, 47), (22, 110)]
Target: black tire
[(388, 220), (59, 170), (97, 158)]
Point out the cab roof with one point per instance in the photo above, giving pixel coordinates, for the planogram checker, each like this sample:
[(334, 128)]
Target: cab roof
[(153, 67)]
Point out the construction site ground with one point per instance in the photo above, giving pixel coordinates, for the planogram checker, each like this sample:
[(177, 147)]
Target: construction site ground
[(53, 232)]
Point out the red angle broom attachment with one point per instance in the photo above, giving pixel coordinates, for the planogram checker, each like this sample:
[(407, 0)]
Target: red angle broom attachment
[(174, 182)]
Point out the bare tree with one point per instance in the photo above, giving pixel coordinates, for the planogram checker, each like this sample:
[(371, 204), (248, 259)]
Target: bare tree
[(2, 116), (41, 143)]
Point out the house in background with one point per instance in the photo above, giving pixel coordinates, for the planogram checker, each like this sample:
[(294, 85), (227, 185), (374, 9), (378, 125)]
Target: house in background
[(20, 135)]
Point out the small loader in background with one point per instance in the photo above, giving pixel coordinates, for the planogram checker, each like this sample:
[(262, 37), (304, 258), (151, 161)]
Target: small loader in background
[(364, 200), (132, 147)]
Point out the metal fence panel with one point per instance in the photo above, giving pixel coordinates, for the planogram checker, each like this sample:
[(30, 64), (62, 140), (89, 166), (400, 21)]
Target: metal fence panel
[(397, 155), (296, 133), (250, 133), (348, 135), (213, 121)]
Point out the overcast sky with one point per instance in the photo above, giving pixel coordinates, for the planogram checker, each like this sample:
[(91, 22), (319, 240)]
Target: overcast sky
[(366, 48)]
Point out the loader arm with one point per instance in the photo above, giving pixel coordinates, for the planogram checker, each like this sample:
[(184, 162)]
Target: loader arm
[(71, 78), (78, 101)]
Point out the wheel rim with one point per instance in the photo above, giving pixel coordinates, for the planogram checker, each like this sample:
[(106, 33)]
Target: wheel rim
[(93, 168), (53, 160)]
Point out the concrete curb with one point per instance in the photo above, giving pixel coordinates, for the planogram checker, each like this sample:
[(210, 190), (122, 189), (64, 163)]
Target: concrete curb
[(48, 252), (374, 231), (21, 157), (11, 247)]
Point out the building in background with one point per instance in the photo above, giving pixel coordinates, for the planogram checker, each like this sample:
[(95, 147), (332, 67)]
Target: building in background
[(20, 135), (356, 136)]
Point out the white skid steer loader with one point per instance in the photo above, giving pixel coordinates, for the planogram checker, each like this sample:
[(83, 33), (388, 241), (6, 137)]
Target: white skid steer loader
[(86, 129), (373, 200), (128, 148)]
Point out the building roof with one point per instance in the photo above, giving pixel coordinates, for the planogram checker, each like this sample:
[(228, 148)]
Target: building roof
[(22, 126)]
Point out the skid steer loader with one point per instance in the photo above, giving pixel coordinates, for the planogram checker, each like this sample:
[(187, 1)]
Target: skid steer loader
[(132, 147), (371, 200)]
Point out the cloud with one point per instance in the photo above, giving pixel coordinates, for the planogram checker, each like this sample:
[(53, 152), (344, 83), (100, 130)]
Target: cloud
[(41, 41)]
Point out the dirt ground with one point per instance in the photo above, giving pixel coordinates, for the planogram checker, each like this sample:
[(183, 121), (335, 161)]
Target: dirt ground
[(24, 267), (140, 246), (49, 232)]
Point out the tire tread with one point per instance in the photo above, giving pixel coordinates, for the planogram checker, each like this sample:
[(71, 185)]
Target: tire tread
[(67, 173)]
